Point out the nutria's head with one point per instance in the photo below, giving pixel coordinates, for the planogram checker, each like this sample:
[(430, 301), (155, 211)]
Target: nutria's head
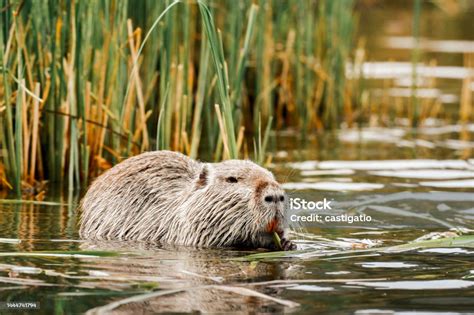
[(239, 204)]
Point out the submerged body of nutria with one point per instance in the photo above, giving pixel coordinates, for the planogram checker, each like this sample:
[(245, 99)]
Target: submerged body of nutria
[(168, 197)]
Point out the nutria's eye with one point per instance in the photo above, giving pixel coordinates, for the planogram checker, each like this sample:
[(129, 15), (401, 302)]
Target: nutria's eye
[(282, 198), (231, 179)]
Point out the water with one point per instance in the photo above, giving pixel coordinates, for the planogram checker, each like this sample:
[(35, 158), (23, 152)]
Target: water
[(412, 183), (446, 40)]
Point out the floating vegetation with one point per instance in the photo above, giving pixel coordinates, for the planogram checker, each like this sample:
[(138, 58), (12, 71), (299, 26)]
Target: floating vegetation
[(277, 241), (466, 241)]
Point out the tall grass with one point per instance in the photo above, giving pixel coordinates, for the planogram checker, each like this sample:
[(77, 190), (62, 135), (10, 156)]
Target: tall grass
[(415, 58), (85, 84)]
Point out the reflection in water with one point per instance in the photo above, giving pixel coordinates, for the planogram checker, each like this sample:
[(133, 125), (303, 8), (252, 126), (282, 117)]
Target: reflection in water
[(192, 271), (394, 70), (445, 46)]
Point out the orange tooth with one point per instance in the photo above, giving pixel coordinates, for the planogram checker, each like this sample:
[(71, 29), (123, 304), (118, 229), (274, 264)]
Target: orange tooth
[(272, 225)]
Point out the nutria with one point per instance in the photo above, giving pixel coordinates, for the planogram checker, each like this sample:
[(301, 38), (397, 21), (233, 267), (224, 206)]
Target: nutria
[(170, 198)]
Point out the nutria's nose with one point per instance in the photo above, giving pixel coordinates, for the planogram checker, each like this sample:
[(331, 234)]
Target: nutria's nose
[(274, 198)]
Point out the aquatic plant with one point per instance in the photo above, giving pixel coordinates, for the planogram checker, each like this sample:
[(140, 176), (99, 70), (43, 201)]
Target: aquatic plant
[(87, 84)]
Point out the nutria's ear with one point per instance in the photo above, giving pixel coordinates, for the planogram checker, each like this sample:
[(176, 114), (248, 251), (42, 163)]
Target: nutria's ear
[(203, 178)]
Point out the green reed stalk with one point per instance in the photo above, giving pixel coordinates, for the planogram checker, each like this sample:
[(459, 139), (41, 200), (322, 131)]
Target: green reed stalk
[(308, 85), (415, 57), (260, 145), (233, 27), (11, 163), (19, 123), (299, 66), (241, 65), (200, 96), (215, 43), (159, 127)]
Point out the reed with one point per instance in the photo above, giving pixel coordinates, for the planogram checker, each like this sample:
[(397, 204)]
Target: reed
[(85, 84), (466, 111), (415, 58)]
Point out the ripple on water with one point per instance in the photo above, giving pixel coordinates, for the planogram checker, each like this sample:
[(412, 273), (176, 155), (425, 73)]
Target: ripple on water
[(449, 284), (369, 165), (391, 264), (426, 174), (333, 186), (469, 183)]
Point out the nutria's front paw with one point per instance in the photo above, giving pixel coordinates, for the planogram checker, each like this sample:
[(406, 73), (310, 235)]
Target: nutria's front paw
[(286, 244)]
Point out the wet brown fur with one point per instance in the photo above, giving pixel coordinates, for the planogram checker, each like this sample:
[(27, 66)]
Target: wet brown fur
[(167, 197)]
